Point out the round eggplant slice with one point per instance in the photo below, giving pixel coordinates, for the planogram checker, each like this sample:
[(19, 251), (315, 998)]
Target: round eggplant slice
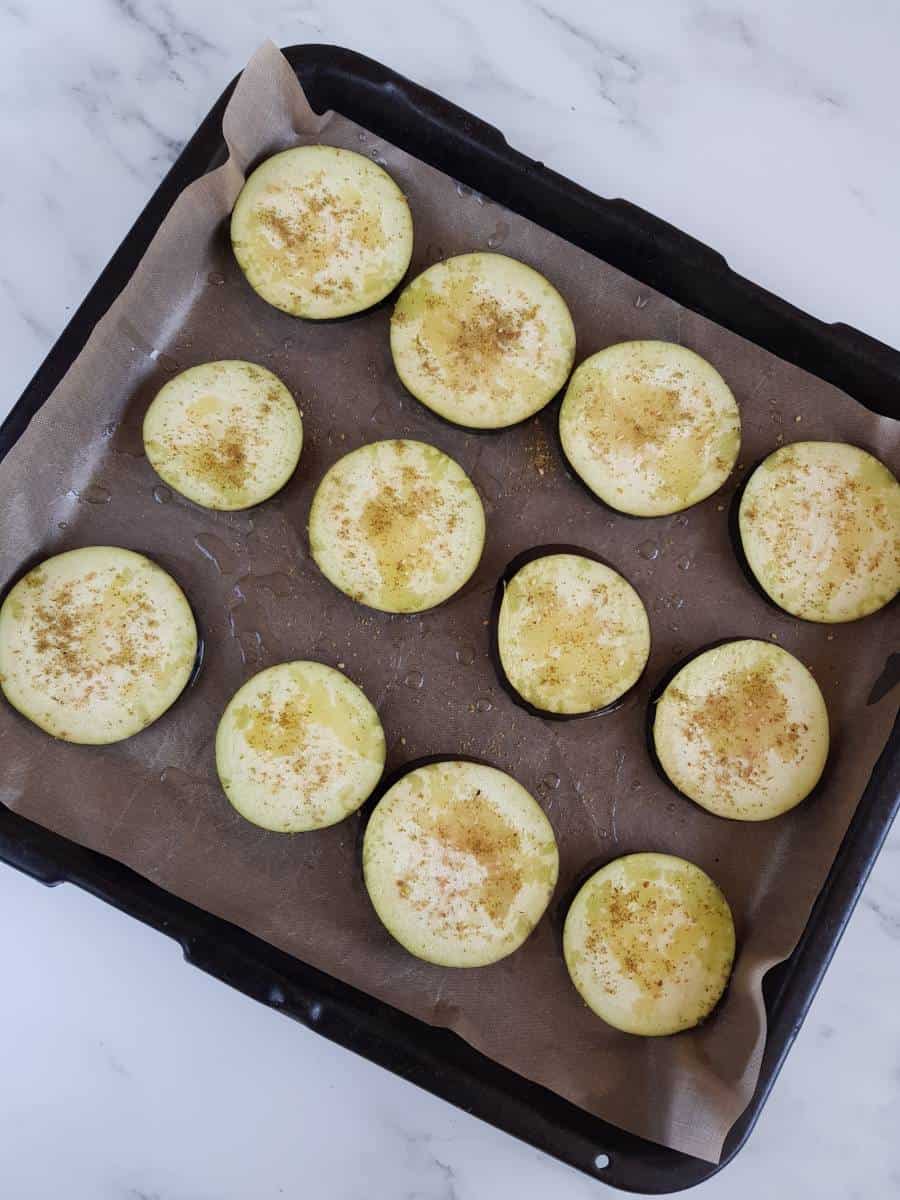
[(299, 747), (820, 529), (226, 435), (742, 729), (650, 427), (572, 634), (321, 232), (649, 944), (460, 863), (95, 644), (397, 525), (482, 340)]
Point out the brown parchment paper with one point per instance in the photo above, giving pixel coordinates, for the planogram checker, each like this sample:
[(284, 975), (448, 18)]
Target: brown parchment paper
[(78, 476)]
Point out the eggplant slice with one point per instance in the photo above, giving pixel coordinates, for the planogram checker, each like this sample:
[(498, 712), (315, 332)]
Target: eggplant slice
[(742, 729), (649, 943), (321, 232), (397, 525), (482, 340), (572, 634), (299, 747), (459, 862), (650, 427), (226, 434), (820, 529), (95, 644)]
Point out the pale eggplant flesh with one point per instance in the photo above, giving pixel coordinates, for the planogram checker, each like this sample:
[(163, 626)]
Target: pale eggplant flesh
[(649, 944), (572, 635), (819, 526), (299, 747), (226, 435), (397, 525), (482, 340), (742, 729), (460, 863), (322, 232), (95, 644), (650, 427)]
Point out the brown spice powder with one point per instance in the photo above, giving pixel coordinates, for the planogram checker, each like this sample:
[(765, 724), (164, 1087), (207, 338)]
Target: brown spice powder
[(80, 641), (737, 726)]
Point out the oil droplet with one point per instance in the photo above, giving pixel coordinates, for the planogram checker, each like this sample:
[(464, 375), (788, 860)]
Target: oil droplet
[(684, 563), (681, 521), (277, 583), (95, 493), (161, 494), (109, 429), (65, 525), (215, 279), (218, 553), (128, 440), (641, 301), (462, 190), (498, 237), (648, 549), (636, 785), (413, 679), (550, 781), (379, 158), (465, 655), (231, 608), (665, 601), (182, 780), (241, 522), (381, 413), (251, 646), (483, 704), (489, 485)]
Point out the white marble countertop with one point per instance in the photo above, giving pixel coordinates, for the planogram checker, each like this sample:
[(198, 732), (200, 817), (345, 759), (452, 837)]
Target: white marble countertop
[(767, 130)]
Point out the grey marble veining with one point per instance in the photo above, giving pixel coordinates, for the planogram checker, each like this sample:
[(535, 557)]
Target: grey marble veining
[(769, 131)]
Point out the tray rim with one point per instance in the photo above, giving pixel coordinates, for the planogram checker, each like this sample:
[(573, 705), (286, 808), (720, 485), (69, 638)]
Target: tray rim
[(352, 1017)]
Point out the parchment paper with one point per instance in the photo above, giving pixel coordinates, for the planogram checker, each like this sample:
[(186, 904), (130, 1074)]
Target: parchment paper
[(78, 476)]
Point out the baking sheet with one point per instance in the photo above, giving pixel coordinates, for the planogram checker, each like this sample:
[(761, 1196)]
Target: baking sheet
[(78, 476)]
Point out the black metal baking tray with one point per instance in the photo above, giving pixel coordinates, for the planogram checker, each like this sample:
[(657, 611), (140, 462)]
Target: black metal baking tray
[(662, 257)]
